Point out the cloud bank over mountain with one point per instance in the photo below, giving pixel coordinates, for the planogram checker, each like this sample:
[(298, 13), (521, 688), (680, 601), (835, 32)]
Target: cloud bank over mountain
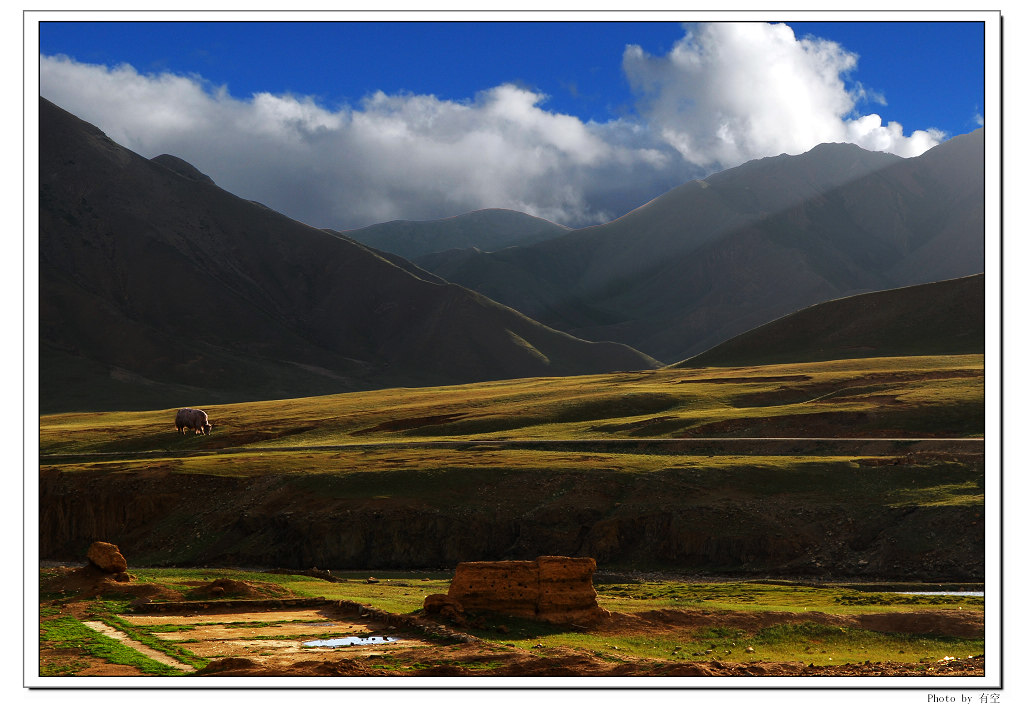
[(728, 93), (725, 94)]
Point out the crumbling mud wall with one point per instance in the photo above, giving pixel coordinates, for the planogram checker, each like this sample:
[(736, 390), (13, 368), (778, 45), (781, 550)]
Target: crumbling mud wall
[(557, 589)]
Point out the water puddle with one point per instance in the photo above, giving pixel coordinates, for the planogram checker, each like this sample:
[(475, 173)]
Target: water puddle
[(351, 641), (941, 593)]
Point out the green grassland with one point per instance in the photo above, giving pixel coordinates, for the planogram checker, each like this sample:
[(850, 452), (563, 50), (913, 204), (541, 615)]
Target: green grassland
[(346, 436), (72, 637), (403, 592), (434, 476), (926, 396), (810, 643)]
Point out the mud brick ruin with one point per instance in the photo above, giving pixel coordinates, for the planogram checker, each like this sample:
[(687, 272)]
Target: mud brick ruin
[(557, 589)]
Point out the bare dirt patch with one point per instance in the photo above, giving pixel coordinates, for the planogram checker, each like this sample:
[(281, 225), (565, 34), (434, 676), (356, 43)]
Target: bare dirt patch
[(275, 638), (232, 588)]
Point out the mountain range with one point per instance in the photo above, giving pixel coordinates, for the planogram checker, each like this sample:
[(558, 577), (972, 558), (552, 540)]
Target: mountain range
[(715, 257), (158, 289)]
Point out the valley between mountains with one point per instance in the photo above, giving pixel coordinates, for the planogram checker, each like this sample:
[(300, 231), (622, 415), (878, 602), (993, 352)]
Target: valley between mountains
[(775, 372)]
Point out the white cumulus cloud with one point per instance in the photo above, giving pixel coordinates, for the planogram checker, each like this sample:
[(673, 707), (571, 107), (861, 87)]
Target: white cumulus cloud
[(731, 92), (725, 93), (393, 156)]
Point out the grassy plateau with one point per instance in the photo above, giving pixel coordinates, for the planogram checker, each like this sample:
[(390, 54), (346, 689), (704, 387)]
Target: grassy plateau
[(908, 396)]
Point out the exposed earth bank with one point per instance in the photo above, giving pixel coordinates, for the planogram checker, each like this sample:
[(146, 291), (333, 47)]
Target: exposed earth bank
[(660, 521)]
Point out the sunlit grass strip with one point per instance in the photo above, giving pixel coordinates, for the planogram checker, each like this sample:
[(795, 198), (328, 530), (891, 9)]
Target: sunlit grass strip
[(431, 472), (741, 596), (352, 461), (952, 494), (397, 592), (810, 643), (935, 393), (68, 633)]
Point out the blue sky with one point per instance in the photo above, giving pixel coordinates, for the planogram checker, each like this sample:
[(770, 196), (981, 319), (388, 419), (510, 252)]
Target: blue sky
[(929, 72), (612, 115)]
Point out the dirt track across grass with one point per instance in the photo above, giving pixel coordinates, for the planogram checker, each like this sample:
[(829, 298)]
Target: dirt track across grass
[(115, 634)]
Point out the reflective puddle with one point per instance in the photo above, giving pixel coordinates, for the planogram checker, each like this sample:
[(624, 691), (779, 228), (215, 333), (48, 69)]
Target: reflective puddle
[(941, 593), (351, 641)]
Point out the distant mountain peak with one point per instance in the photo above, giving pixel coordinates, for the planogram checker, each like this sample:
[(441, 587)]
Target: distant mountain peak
[(837, 146), (489, 229)]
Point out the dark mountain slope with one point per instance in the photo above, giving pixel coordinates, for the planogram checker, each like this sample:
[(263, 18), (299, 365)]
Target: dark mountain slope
[(943, 318), (158, 288), (715, 257), (485, 229)]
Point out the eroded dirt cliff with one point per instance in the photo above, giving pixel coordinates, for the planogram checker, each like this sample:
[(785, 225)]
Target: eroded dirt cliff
[(301, 521)]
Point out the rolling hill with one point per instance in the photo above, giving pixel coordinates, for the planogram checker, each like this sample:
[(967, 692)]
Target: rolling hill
[(942, 318), (158, 289), (716, 257)]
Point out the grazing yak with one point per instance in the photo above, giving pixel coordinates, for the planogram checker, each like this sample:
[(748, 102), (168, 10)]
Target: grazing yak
[(195, 420)]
